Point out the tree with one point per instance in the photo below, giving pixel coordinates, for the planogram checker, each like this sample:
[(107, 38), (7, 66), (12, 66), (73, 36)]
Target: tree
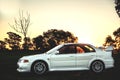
[(117, 7), (116, 33), (28, 44), (114, 42), (13, 41), (60, 36), (109, 41), (52, 38), (38, 42), (2, 45), (21, 25)]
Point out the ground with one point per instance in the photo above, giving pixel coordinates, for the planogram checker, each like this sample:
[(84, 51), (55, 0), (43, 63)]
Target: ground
[(10, 73)]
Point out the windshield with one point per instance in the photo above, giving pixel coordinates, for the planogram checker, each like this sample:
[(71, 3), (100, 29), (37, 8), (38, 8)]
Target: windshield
[(53, 49)]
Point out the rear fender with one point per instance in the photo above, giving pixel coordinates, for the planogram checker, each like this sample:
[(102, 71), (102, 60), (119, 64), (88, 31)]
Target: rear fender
[(95, 59)]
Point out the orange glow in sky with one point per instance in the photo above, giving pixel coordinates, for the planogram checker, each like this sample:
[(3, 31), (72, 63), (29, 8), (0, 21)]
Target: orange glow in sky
[(90, 20)]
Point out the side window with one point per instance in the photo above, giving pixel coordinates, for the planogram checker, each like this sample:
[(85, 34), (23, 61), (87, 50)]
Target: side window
[(88, 48), (67, 49)]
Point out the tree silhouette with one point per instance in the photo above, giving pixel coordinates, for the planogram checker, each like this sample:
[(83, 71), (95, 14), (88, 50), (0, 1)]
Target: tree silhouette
[(116, 41), (2, 45), (28, 44), (117, 7), (52, 38), (116, 33), (21, 25), (13, 41), (109, 41), (60, 36), (38, 42)]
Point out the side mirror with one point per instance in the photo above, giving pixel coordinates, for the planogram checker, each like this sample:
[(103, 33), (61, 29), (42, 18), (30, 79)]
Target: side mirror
[(56, 52)]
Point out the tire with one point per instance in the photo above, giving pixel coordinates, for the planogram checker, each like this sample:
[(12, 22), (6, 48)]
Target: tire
[(39, 68), (97, 67)]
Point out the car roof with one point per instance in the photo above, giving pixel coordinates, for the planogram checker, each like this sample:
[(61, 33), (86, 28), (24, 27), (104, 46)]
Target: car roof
[(76, 44)]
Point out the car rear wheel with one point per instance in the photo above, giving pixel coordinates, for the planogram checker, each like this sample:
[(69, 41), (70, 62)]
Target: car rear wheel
[(97, 66), (39, 68)]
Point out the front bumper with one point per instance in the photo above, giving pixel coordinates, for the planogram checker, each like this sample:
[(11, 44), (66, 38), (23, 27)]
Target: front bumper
[(23, 67)]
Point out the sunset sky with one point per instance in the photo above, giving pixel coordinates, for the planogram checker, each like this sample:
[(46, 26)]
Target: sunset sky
[(90, 20)]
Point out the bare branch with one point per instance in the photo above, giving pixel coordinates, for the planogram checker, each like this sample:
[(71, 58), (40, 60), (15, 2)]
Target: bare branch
[(21, 24)]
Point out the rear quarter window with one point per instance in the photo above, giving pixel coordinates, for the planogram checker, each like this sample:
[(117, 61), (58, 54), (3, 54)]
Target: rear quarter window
[(88, 48)]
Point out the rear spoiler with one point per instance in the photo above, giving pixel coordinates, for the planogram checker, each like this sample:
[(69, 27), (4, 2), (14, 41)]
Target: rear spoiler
[(109, 48)]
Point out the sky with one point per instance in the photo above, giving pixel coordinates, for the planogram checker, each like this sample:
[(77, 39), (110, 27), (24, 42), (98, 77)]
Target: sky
[(90, 20)]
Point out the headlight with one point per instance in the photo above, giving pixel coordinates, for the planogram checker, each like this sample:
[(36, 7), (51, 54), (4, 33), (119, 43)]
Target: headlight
[(25, 61)]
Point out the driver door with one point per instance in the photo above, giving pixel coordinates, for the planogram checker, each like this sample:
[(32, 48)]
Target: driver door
[(65, 58)]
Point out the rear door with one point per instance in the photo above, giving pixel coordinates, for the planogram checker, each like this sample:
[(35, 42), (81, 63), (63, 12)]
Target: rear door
[(84, 57)]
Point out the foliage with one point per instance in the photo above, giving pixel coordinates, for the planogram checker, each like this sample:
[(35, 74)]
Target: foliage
[(52, 38), (117, 32), (13, 41), (27, 45), (117, 7), (117, 38), (60, 36), (2, 45), (109, 41), (114, 42), (38, 42)]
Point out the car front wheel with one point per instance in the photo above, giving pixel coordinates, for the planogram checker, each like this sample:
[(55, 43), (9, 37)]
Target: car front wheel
[(97, 67), (39, 68)]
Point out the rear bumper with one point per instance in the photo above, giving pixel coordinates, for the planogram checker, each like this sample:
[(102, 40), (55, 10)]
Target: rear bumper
[(109, 64)]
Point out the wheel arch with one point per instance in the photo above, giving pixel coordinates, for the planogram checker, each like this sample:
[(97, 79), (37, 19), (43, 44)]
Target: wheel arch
[(94, 61), (93, 69)]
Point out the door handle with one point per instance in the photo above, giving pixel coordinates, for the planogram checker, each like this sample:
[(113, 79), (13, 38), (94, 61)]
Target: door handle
[(92, 55), (71, 56)]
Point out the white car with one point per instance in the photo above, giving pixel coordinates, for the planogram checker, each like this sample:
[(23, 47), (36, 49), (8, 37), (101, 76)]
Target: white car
[(67, 57)]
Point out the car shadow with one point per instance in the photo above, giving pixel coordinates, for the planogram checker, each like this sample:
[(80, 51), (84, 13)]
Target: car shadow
[(108, 74), (63, 75)]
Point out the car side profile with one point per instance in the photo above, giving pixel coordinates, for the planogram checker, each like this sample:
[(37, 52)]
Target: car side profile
[(67, 57)]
